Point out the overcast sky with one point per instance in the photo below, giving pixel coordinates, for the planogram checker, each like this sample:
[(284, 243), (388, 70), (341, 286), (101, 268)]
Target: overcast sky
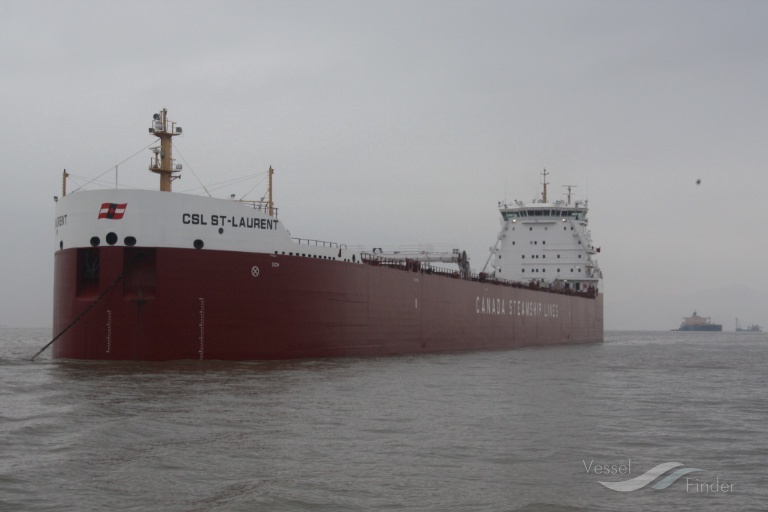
[(402, 122)]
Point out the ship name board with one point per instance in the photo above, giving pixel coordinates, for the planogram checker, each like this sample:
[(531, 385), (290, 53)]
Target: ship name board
[(496, 306), (201, 219)]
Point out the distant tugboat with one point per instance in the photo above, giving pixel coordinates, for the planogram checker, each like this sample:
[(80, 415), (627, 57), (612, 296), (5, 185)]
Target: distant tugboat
[(751, 328), (698, 323)]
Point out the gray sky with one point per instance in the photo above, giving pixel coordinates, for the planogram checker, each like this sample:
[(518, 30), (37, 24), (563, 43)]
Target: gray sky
[(404, 122)]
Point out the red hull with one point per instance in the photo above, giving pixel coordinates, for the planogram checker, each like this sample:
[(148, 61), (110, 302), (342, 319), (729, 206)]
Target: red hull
[(203, 304)]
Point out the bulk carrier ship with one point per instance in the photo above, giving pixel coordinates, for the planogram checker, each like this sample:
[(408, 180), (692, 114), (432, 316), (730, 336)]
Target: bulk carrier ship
[(699, 323), (158, 275)]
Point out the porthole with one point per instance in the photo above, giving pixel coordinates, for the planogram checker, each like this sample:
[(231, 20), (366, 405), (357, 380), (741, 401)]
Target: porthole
[(221, 231), (130, 241), (61, 244), (95, 241), (111, 238), (198, 244)]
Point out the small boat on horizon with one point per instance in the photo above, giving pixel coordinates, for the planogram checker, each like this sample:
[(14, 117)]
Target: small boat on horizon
[(750, 328)]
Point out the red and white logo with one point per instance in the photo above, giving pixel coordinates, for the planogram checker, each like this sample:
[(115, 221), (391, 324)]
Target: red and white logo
[(112, 211)]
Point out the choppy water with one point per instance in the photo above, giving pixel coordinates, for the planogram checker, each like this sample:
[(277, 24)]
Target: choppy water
[(507, 431)]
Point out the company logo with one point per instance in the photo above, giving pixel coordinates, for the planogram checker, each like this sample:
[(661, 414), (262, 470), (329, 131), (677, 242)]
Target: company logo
[(112, 211), (649, 476), (646, 479)]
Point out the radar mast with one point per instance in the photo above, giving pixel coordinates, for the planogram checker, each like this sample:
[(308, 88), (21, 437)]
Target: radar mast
[(162, 162)]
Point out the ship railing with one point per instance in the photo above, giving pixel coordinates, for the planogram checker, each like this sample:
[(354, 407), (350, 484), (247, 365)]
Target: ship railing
[(407, 250), (412, 265), (318, 243), (262, 206)]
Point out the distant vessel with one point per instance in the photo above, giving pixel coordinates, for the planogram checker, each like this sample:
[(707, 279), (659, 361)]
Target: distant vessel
[(698, 323), (155, 275), (750, 328)]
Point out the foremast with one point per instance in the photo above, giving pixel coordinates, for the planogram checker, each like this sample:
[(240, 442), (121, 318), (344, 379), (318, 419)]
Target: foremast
[(162, 162)]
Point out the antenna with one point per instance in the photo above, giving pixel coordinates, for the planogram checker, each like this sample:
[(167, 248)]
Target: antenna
[(568, 194), (505, 187)]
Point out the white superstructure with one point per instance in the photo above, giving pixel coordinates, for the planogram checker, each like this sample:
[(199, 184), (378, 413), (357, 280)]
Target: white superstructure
[(547, 243)]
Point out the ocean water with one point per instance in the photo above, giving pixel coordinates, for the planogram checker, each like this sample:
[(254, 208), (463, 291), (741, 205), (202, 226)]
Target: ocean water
[(533, 429)]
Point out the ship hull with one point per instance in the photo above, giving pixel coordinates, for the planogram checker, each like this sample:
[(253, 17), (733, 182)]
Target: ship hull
[(156, 304), (702, 328)]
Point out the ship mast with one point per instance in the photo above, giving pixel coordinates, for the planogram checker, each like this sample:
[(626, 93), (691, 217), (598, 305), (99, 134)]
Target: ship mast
[(569, 187), (544, 194), (162, 162), (271, 204), (64, 177)]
